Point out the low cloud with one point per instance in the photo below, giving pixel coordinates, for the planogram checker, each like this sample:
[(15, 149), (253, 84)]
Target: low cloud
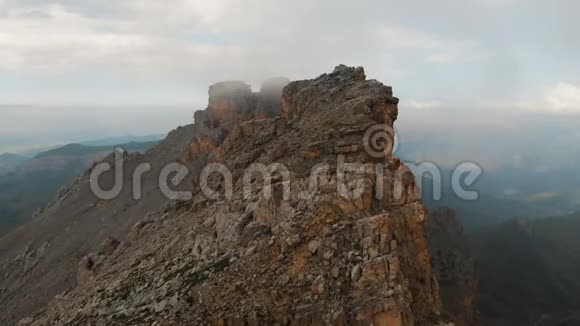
[(441, 58), (195, 37), (497, 3), (51, 38), (437, 50), (563, 98), (421, 104)]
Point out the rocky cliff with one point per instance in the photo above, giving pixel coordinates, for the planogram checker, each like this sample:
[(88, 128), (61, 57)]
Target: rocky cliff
[(310, 242), (454, 265)]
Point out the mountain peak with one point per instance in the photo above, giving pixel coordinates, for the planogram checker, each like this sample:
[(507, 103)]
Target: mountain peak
[(288, 253)]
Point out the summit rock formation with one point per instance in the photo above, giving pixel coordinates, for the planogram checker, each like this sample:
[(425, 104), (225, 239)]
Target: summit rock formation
[(256, 249)]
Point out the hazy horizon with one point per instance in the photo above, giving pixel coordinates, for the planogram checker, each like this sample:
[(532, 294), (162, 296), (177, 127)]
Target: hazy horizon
[(46, 126), (81, 70)]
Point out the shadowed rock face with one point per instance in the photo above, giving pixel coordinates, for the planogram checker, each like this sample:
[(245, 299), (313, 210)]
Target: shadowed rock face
[(454, 264), (260, 259)]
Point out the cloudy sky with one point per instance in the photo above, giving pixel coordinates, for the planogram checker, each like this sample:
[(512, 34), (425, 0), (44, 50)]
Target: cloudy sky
[(80, 68)]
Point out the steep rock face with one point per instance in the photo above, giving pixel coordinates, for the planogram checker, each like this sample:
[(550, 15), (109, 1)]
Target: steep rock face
[(289, 253), (454, 264)]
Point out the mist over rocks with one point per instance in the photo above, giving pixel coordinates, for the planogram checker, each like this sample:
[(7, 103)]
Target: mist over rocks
[(270, 96), (256, 260), (229, 102), (233, 101)]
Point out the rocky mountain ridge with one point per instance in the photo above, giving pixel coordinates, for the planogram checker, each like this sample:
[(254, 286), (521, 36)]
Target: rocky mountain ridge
[(33, 182), (250, 258)]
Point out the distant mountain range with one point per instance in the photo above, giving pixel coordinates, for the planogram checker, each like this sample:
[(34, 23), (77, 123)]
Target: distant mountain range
[(123, 140), (8, 161), (79, 149), (529, 272), (9, 157), (27, 184), (109, 141)]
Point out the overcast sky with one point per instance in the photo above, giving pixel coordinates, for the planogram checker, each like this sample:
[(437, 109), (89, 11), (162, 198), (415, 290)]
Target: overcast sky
[(105, 59)]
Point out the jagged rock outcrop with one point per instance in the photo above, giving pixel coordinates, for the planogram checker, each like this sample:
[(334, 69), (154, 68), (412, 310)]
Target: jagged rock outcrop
[(454, 264), (90, 264), (272, 249), (229, 102), (233, 102)]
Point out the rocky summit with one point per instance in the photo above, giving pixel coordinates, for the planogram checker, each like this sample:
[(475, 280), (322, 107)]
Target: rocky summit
[(243, 248)]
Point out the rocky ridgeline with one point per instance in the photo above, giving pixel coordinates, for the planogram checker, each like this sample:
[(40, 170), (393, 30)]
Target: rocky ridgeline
[(323, 259)]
